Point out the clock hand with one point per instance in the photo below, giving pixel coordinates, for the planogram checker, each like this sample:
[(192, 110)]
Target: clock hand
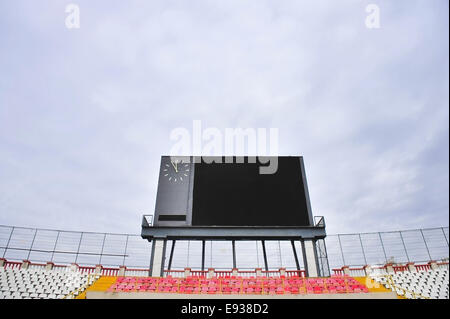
[(175, 166)]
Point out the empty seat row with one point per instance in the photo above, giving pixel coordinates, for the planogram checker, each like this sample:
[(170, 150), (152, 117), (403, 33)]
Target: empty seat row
[(20, 283), (433, 284), (239, 285)]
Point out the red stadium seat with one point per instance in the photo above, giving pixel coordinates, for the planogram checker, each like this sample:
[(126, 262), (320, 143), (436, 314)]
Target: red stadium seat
[(239, 285)]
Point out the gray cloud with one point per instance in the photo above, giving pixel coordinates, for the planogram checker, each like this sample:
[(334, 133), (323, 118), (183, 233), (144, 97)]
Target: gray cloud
[(86, 113)]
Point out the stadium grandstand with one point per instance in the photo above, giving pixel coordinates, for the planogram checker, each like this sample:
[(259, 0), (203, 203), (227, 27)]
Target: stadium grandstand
[(56, 264), (224, 158)]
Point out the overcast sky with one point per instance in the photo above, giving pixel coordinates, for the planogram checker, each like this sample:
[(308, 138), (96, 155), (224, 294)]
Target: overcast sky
[(85, 114)]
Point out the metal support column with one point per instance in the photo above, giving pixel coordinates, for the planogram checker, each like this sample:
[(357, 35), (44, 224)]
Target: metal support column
[(32, 243), (172, 249), (266, 267), (7, 244), (362, 248), (103, 247), (342, 251), (311, 257), (426, 246), (297, 264), (78, 250), (158, 257), (203, 255), (54, 247), (445, 236), (233, 244), (404, 246), (382, 246), (125, 252)]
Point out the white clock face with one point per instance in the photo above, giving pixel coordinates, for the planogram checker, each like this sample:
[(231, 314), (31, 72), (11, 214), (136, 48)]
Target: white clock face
[(176, 171)]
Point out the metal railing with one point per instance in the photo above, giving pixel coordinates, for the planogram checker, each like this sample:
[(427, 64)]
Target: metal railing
[(115, 250), (66, 247), (420, 246)]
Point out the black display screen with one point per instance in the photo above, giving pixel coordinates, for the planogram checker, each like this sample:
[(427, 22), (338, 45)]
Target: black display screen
[(236, 194)]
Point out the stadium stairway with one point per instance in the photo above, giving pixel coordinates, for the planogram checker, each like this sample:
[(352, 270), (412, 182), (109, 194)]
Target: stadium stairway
[(101, 284), (373, 286)]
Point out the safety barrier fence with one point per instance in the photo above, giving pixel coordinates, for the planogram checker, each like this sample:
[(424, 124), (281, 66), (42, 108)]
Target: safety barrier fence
[(212, 273), (113, 250), (389, 269)]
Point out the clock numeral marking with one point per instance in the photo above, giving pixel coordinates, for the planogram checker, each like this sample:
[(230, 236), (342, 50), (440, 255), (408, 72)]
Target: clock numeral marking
[(176, 173)]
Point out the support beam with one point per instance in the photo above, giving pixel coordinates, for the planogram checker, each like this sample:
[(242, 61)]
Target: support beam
[(203, 255), (310, 258), (266, 266), (316, 255), (158, 257), (172, 249), (229, 233), (426, 246), (233, 243), (295, 255)]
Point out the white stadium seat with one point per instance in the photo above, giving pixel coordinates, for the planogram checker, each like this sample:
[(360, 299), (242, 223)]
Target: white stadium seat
[(433, 284), (41, 283)]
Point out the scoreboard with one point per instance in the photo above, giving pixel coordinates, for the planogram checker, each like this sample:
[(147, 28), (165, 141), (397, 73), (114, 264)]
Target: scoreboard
[(219, 191)]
